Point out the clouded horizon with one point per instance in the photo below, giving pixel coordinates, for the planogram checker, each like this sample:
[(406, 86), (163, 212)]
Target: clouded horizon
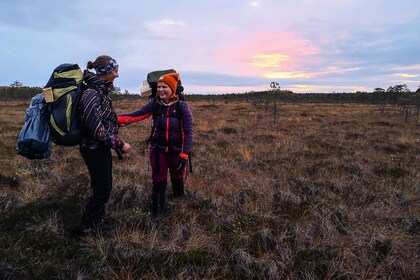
[(219, 46)]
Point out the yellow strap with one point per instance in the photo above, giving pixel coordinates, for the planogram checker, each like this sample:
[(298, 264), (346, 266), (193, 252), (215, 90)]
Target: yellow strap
[(58, 92), (68, 111), (53, 123), (75, 74)]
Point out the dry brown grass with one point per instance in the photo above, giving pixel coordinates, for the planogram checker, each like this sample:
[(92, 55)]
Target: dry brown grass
[(329, 192)]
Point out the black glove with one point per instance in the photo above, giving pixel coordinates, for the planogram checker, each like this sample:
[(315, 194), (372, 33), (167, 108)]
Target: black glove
[(181, 163), (119, 153)]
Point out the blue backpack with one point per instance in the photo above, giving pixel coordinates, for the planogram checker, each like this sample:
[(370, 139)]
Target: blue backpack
[(34, 140)]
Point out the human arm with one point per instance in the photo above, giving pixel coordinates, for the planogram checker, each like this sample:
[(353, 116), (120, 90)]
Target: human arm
[(100, 119), (187, 131), (139, 115)]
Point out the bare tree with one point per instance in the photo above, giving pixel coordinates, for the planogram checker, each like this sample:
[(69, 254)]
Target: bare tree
[(274, 86), (377, 90), (398, 88), (16, 84)]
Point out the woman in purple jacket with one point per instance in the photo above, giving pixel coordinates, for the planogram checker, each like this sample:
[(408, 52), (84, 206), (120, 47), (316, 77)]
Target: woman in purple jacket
[(171, 138)]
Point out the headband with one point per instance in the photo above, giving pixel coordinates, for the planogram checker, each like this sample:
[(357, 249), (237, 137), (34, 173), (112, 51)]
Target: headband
[(106, 68)]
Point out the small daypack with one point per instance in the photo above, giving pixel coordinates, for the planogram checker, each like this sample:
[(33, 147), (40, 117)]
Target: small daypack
[(34, 140), (62, 94)]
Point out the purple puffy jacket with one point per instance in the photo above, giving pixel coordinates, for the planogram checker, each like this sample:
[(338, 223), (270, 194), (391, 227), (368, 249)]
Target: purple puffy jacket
[(169, 132)]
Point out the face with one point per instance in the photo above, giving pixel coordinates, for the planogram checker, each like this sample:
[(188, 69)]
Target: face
[(164, 92), (110, 77)]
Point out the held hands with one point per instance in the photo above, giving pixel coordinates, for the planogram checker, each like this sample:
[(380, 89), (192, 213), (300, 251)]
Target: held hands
[(123, 121)]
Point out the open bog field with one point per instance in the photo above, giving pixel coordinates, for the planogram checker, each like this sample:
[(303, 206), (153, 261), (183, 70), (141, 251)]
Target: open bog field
[(328, 191)]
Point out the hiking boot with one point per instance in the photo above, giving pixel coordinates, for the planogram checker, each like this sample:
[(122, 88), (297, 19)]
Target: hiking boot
[(178, 187), (84, 230), (91, 221), (158, 199)]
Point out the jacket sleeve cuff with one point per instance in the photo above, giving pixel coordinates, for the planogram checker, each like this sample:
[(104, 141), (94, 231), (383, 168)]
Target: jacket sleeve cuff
[(184, 156), (123, 120)]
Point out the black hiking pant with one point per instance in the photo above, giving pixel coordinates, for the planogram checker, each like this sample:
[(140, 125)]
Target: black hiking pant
[(99, 164)]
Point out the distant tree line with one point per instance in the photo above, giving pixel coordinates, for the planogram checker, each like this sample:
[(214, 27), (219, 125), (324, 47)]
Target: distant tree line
[(18, 92), (289, 97), (398, 95)]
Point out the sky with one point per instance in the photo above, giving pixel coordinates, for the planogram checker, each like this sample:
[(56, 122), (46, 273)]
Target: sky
[(219, 46)]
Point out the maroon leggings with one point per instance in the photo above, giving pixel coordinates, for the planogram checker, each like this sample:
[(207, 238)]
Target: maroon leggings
[(160, 173)]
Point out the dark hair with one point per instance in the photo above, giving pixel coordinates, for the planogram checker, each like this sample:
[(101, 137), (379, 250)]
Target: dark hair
[(99, 61)]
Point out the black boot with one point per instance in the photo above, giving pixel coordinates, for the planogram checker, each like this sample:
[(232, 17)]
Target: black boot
[(158, 197), (178, 187), (92, 220)]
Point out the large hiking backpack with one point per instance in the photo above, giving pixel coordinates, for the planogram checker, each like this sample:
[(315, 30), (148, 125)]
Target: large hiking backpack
[(150, 84), (62, 94), (53, 114)]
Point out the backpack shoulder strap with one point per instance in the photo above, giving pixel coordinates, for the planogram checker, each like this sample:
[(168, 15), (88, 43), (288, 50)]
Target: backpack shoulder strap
[(179, 109), (154, 116), (155, 110)]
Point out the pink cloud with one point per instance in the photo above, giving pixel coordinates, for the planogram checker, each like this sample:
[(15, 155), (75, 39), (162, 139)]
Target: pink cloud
[(263, 53)]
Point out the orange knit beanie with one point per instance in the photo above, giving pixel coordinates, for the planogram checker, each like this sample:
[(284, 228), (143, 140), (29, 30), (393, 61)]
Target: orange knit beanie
[(171, 80)]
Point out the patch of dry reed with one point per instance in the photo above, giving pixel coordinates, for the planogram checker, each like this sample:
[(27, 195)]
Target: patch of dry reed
[(328, 192)]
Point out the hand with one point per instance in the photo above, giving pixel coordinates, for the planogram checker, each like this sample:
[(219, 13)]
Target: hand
[(181, 163), (126, 149)]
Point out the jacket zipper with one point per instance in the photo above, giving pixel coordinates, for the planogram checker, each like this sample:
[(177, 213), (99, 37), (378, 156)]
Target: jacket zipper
[(167, 130)]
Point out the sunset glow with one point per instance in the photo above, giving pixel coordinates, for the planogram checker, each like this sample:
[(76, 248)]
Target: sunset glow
[(239, 46), (285, 75), (268, 60)]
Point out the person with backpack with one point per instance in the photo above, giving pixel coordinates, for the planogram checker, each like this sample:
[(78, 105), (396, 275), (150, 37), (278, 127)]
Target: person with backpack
[(170, 140), (100, 121)]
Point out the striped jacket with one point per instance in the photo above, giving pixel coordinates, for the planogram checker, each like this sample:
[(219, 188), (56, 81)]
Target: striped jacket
[(97, 115)]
